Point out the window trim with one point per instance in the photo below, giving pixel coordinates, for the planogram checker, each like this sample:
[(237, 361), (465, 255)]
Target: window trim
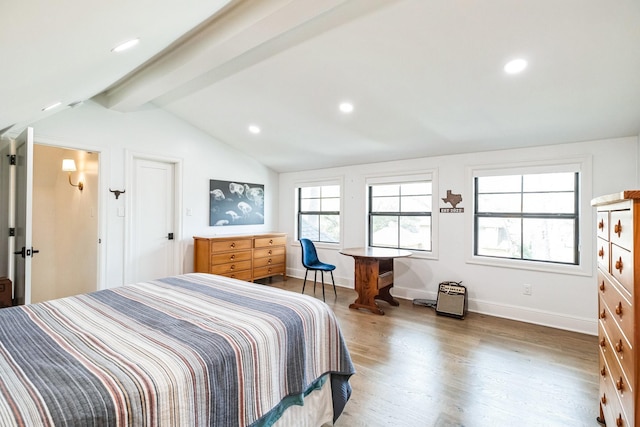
[(425, 175), (319, 183), (582, 165)]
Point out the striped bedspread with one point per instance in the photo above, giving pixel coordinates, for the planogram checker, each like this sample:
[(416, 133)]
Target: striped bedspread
[(189, 350)]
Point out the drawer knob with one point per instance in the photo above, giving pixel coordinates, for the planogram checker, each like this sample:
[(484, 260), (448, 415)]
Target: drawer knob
[(619, 309), (270, 252), (603, 314), (271, 241), (619, 384), (619, 265), (232, 257), (270, 261), (619, 347), (601, 224), (233, 245), (603, 371), (619, 422), (233, 267), (617, 228), (603, 399), (602, 286), (601, 253), (603, 343)]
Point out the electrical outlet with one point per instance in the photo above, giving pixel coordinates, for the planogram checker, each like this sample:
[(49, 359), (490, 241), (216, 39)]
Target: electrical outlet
[(526, 290)]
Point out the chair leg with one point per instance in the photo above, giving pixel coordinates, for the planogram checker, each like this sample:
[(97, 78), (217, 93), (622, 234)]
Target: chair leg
[(304, 283), (305, 280), (315, 278), (322, 275), (334, 284)]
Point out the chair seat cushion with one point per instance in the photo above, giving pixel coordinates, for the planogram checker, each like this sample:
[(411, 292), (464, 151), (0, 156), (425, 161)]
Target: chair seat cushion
[(322, 266)]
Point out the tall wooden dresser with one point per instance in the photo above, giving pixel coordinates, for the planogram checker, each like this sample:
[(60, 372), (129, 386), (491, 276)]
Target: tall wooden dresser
[(618, 243), (244, 257)]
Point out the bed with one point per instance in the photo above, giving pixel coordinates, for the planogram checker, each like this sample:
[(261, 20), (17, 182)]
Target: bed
[(189, 350)]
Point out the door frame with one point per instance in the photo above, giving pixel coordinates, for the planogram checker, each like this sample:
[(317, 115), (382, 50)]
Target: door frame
[(130, 159), (102, 178)]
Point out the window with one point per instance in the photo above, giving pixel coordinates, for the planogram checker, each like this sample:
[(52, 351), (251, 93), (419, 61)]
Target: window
[(532, 217), (319, 213), (400, 215)]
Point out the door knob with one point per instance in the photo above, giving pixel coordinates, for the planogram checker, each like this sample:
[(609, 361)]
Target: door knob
[(21, 252)]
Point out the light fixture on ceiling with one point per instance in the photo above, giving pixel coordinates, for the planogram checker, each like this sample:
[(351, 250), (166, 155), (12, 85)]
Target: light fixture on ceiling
[(515, 66), (69, 165), (346, 107), (52, 106), (126, 45), (254, 129)]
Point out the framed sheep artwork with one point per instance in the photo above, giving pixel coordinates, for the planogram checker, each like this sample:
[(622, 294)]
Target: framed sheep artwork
[(235, 203)]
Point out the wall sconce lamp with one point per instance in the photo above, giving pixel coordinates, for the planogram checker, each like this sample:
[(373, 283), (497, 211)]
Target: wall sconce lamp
[(69, 165)]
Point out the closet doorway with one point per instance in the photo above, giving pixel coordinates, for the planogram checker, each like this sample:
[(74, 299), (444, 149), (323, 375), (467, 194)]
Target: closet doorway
[(65, 223)]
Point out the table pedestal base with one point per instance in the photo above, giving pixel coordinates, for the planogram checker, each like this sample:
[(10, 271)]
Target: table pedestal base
[(374, 280), (385, 295)]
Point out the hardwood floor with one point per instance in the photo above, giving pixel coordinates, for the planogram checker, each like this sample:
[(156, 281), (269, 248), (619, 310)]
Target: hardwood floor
[(415, 368)]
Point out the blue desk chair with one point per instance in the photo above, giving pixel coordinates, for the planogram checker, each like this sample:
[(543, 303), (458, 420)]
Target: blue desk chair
[(310, 261)]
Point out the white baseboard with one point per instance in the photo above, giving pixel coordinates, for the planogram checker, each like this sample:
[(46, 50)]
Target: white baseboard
[(522, 314), (551, 319)]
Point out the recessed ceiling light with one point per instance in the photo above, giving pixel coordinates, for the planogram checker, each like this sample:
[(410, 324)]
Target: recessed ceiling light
[(254, 129), (515, 66), (126, 45), (346, 107), (52, 106)]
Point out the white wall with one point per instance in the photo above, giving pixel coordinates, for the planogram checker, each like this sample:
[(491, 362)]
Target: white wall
[(567, 301), (154, 132), (560, 300)]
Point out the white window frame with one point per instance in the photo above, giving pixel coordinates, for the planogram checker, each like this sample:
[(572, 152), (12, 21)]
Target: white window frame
[(426, 175), (582, 165), (331, 181)]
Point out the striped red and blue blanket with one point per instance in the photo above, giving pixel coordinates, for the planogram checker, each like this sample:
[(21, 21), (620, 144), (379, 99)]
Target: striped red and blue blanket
[(189, 350)]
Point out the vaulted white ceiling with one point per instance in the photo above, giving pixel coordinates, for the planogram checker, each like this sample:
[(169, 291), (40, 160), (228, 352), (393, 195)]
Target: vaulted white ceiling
[(426, 77)]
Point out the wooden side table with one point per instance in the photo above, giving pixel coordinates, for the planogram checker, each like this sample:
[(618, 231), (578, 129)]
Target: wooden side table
[(374, 275)]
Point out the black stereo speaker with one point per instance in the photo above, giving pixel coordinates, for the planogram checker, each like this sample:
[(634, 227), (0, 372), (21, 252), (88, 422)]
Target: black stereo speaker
[(452, 300)]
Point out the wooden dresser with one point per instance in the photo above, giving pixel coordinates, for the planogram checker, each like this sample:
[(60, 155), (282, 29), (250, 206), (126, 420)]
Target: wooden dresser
[(618, 243), (244, 257)]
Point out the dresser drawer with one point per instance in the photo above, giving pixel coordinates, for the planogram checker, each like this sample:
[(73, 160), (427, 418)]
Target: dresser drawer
[(268, 271), (265, 242), (619, 306), (602, 226), (602, 254), (621, 228), (266, 261), (618, 347), (230, 245), (622, 267), (226, 257), (231, 267), (609, 398), (240, 275), (620, 381), (268, 252)]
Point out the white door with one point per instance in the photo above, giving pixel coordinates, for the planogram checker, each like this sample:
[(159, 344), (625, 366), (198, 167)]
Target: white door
[(23, 251), (153, 232)]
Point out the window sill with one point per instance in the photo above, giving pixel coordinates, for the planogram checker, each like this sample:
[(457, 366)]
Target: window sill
[(574, 270)]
